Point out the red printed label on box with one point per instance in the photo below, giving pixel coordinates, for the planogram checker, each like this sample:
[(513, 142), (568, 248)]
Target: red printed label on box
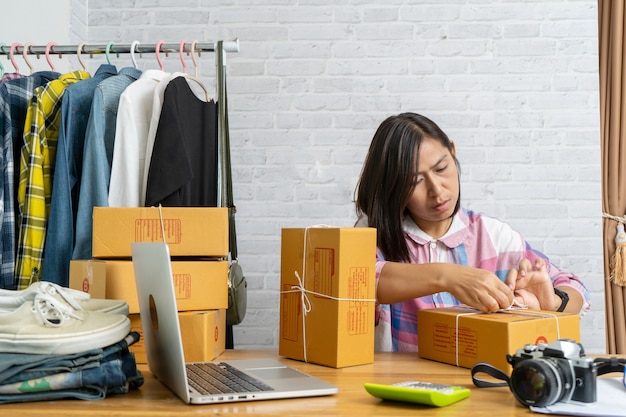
[(290, 314), (149, 230), (358, 289), (445, 340), (324, 271), (182, 286)]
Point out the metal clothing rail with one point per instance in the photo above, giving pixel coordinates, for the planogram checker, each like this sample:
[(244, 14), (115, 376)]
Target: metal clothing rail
[(113, 48)]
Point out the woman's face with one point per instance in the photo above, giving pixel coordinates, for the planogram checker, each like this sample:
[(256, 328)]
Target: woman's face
[(436, 191)]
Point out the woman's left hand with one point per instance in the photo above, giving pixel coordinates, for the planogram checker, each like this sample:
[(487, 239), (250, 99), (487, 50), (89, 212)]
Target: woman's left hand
[(532, 285)]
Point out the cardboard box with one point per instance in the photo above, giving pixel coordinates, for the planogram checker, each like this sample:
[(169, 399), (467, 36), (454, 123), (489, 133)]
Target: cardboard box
[(199, 285), (339, 278), (189, 231), (88, 276), (202, 332), (484, 337)]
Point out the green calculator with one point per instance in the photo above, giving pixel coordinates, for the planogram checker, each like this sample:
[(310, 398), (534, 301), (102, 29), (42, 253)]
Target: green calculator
[(426, 393)]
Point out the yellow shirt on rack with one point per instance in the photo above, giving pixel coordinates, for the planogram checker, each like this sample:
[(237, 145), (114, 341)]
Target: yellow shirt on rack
[(38, 155)]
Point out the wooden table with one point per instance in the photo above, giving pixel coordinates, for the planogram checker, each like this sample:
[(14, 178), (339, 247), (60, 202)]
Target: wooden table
[(154, 399)]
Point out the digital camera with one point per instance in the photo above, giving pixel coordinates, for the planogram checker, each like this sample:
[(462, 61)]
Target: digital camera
[(545, 374)]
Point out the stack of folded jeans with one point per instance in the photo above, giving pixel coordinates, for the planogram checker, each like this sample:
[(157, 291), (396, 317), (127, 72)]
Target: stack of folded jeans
[(59, 343)]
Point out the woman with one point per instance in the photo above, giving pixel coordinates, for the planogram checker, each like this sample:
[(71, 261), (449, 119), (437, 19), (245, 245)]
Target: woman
[(431, 251)]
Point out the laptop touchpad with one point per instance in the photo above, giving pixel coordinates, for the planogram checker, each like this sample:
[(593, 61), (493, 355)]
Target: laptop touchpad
[(275, 373)]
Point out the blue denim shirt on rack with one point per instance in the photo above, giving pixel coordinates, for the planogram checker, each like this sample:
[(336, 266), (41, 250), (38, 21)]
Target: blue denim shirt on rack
[(75, 109), (97, 156), (90, 375)]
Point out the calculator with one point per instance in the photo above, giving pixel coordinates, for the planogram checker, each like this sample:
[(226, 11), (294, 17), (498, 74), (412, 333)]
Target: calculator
[(426, 393)]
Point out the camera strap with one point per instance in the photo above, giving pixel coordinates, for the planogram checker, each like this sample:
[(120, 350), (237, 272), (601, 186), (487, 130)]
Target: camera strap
[(608, 365), (487, 368)]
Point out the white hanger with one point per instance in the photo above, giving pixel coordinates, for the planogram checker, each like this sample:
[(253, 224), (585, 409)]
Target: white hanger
[(79, 51), (133, 47), (193, 58), (25, 55), (181, 49)]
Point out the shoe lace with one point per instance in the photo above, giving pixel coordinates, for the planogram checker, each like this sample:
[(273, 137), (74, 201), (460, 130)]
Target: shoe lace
[(68, 295), (52, 311)]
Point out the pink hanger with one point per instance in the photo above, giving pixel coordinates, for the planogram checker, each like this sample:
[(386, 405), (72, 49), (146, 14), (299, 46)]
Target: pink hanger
[(181, 49), (158, 51), (48, 48), (12, 57)]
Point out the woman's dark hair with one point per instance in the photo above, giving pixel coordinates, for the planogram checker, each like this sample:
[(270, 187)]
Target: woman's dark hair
[(388, 178)]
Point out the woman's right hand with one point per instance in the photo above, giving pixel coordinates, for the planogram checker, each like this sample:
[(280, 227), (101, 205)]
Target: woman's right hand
[(480, 289)]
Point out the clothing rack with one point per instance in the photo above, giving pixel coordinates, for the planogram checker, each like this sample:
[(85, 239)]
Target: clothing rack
[(114, 48), (219, 47)]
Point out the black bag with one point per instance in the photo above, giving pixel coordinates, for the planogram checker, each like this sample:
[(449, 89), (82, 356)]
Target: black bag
[(237, 285), (237, 294)]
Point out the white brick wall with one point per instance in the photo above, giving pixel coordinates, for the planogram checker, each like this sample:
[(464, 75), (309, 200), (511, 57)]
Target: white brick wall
[(514, 83)]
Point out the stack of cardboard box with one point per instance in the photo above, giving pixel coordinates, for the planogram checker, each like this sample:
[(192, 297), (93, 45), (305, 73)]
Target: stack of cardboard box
[(198, 243)]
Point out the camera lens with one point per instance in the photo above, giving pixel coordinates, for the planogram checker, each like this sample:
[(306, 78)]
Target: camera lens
[(536, 382)]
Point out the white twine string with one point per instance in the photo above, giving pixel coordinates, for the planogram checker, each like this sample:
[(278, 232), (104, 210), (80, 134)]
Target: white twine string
[(304, 299), (514, 308), (456, 332), (618, 219)]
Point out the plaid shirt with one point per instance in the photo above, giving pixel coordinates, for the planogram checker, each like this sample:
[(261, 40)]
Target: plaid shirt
[(15, 97), (475, 240), (11, 76), (41, 131)]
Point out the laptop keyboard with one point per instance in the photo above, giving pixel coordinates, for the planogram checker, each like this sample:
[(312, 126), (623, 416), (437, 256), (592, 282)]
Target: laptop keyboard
[(221, 378)]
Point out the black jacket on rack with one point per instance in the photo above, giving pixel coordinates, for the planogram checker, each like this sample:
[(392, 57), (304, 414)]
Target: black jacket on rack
[(183, 166)]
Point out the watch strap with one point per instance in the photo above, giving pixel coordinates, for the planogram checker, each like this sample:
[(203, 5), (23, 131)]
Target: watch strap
[(564, 299)]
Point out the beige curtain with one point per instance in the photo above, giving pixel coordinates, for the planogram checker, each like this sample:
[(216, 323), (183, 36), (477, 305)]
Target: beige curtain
[(613, 148)]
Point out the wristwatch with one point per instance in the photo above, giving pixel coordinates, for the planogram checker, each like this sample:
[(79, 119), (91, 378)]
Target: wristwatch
[(564, 299)]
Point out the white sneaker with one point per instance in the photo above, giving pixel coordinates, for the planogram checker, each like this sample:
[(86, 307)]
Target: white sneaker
[(46, 325), (10, 300)]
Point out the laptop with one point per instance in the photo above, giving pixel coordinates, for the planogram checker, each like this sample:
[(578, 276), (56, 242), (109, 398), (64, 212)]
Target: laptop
[(196, 383)]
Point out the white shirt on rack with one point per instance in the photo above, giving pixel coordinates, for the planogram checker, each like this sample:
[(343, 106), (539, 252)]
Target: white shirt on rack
[(131, 135)]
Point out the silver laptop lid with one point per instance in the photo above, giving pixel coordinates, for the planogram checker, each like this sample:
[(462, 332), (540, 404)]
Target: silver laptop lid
[(161, 329)]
